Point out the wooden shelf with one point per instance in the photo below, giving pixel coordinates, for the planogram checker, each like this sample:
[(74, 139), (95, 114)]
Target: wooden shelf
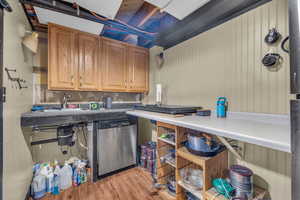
[(165, 194), (166, 141), (212, 166), (172, 163), (196, 193), (184, 153), (212, 193)]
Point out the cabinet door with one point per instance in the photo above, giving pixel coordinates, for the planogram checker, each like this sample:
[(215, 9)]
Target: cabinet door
[(114, 74), (138, 69), (62, 66), (88, 62)]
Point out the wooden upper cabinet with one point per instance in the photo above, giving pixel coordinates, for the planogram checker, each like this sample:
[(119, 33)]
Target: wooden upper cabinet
[(62, 67), (114, 65), (88, 62), (138, 69)]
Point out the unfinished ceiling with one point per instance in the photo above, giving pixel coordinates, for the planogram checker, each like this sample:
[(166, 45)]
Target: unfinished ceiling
[(144, 23), (138, 14)]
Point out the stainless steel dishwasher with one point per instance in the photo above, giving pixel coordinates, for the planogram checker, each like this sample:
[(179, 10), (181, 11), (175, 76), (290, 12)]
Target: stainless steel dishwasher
[(116, 145)]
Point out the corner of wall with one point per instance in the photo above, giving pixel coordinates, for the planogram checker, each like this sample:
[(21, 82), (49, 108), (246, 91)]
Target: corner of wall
[(17, 160)]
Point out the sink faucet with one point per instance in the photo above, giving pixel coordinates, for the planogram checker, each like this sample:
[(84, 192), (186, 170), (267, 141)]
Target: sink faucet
[(66, 98)]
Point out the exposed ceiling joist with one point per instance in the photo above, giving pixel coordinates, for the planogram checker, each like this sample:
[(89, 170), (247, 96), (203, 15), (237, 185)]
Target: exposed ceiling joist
[(146, 12), (67, 8), (128, 9)]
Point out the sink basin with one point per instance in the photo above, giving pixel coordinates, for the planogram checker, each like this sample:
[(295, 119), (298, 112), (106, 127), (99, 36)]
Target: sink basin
[(63, 110)]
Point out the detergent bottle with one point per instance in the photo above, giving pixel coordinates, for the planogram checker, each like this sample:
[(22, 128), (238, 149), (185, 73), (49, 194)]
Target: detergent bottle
[(56, 180), (222, 107), (39, 186), (66, 177)]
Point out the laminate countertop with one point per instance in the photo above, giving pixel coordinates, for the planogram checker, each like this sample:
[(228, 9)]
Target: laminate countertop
[(268, 130), (64, 117)]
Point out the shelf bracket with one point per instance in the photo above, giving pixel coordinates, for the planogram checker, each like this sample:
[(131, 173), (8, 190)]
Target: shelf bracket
[(230, 148)]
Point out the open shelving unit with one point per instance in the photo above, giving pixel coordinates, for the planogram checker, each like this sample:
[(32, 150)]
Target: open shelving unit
[(167, 141), (212, 167)]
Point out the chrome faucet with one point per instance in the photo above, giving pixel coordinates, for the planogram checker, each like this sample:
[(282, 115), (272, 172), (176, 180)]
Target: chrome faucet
[(66, 98)]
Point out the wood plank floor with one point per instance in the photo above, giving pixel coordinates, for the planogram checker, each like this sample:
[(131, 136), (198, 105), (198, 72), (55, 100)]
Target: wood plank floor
[(132, 184)]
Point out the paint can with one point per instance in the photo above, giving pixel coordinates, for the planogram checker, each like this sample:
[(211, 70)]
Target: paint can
[(241, 179)]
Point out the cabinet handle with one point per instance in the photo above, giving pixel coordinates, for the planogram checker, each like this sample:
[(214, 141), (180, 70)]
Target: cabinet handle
[(294, 78)]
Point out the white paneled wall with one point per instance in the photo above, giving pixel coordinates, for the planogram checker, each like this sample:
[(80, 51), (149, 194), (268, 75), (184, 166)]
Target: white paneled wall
[(252, 87), (226, 61)]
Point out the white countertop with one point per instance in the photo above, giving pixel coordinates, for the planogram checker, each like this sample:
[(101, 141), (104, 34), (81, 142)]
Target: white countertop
[(272, 131)]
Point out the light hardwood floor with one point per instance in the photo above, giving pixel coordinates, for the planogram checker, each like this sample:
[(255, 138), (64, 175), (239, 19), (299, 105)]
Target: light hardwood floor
[(132, 184)]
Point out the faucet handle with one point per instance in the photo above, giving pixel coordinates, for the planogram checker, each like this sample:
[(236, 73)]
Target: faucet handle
[(67, 96)]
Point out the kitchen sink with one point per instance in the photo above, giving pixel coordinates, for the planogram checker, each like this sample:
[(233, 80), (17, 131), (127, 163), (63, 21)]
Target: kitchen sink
[(64, 110)]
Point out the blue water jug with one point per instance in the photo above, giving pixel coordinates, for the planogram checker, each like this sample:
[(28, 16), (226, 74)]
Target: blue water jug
[(221, 107)]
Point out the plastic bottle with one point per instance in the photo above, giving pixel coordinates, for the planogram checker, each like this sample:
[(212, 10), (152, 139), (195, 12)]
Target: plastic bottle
[(66, 177), (83, 175), (75, 176), (39, 186), (56, 184), (78, 177), (47, 171), (56, 189), (50, 182)]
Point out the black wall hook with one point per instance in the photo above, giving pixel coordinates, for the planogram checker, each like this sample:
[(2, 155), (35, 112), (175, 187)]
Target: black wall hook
[(14, 79)]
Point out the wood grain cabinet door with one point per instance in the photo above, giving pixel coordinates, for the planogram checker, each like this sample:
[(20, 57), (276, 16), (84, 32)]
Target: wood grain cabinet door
[(88, 62), (114, 66), (138, 71), (62, 67)]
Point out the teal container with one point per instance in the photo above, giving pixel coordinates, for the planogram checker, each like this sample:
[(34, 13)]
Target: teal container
[(222, 107), (56, 185)]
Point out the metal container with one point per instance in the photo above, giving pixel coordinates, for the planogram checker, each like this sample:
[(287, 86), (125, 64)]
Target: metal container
[(196, 142), (202, 144), (107, 102), (241, 178)]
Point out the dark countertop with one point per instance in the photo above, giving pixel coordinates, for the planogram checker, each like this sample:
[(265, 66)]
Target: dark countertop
[(66, 117)]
